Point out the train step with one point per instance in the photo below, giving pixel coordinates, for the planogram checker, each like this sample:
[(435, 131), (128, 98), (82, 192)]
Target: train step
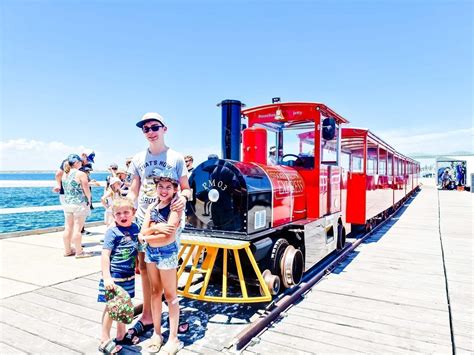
[(202, 253)]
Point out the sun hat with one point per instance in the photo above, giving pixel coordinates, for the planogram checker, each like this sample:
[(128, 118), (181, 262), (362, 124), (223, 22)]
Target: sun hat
[(151, 116), (113, 180), (113, 166), (90, 154), (119, 305), (121, 171)]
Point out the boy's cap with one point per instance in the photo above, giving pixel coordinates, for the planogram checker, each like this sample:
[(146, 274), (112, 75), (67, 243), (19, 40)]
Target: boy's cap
[(121, 171), (113, 166), (151, 116), (114, 180)]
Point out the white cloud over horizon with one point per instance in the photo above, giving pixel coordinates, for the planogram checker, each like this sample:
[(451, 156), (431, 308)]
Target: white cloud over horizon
[(415, 141), (26, 154)]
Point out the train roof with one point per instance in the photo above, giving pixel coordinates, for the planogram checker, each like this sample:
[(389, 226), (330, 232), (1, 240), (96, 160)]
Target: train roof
[(363, 133), (291, 110)]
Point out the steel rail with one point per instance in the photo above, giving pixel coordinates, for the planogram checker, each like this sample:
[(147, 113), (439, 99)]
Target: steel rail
[(282, 304)]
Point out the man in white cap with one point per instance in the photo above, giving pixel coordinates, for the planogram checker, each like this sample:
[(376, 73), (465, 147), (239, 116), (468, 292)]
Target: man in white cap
[(143, 190)]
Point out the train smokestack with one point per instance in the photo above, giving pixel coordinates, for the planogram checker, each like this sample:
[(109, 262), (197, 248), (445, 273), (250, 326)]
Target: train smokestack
[(230, 142)]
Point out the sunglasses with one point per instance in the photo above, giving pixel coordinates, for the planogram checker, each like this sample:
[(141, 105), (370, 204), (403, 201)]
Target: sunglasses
[(154, 128)]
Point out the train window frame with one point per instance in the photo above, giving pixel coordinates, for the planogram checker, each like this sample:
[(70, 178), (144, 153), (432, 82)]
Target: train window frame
[(332, 147)]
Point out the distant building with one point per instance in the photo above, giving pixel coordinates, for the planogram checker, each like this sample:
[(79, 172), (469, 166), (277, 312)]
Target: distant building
[(431, 164)]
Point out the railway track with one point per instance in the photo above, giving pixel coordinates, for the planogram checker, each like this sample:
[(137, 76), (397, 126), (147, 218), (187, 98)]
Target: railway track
[(287, 299)]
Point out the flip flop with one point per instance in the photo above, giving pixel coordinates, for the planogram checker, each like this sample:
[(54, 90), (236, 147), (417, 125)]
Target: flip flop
[(71, 253), (84, 255), (183, 327), (109, 348), (155, 344), (171, 348), (138, 329)]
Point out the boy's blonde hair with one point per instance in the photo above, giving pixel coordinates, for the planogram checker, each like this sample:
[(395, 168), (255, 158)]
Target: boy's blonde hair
[(122, 202)]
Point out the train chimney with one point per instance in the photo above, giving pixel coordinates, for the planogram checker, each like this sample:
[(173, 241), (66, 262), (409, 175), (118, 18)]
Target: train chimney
[(230, 142)]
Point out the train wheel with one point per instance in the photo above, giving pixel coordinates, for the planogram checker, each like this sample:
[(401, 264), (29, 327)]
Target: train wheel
[(341, 237), (276, 254), (292, 266), (272, 282)]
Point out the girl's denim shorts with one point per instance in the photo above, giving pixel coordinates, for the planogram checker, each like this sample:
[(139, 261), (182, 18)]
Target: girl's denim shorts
[(165, 257)]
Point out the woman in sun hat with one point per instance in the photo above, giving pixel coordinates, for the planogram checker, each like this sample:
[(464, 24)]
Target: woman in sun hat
[(77, 197)]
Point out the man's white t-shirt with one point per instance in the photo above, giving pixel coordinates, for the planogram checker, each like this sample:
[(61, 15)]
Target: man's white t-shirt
[(146, 165)]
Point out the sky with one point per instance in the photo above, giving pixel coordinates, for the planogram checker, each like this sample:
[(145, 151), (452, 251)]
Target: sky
[(80, 73)]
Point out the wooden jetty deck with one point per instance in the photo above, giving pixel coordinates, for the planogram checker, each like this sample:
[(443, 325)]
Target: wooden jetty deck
[(390, 296)]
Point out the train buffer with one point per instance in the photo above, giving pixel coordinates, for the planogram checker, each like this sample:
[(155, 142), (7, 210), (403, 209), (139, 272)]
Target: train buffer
[(201, 253)]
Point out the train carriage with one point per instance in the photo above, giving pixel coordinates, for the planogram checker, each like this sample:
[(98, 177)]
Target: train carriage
[(379, 178)]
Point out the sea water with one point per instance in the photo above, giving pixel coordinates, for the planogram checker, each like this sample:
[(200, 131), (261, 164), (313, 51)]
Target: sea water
[(27, 189)]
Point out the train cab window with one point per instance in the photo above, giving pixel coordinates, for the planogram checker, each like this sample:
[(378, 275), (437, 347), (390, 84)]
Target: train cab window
[(382, 162), (298, 145)]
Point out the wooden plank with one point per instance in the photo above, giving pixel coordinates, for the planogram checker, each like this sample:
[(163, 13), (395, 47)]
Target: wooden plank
[(52, 332), (388, 324), (80, 325), (70, 297), (8, 349), (56, 305), (32, 342)]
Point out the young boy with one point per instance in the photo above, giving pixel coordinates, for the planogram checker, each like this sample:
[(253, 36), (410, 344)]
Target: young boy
[(118, 266)]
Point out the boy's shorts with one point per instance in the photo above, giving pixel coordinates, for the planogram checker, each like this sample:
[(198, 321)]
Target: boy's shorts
[(165, 257), (124, 281)]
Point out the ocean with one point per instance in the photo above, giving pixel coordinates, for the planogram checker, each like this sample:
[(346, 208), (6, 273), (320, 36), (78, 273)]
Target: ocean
[(22, 190)]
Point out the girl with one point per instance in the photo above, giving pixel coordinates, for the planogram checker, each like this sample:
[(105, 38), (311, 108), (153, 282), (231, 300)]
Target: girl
[(161, 255), (112, 193)]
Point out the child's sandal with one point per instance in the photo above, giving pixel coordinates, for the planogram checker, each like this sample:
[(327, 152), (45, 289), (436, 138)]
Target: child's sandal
[(155, 344)]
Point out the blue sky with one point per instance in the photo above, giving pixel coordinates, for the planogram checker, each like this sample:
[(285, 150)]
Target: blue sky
[(80, 74)]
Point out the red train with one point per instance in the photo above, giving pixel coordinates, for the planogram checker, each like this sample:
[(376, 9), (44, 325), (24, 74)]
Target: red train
[(302, 184)]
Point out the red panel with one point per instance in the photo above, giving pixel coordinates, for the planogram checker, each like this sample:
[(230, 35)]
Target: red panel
[(254, 145), (334, 200), (323, 190), (311, 192), (289, 201), (356, 198)]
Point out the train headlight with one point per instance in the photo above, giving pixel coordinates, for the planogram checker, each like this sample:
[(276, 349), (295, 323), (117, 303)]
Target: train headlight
[(213, 195)]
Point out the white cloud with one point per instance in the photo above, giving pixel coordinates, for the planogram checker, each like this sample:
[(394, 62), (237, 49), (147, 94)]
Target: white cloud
[(24, 154), (434, 143)]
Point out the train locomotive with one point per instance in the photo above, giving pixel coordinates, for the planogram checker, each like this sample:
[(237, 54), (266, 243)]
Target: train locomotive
[(285, 211)]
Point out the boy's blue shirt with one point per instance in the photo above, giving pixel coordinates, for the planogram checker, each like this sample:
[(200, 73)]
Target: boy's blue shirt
[(123, 242)]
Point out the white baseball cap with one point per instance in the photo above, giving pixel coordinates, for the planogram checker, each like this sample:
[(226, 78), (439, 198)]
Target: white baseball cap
[(151, 116)]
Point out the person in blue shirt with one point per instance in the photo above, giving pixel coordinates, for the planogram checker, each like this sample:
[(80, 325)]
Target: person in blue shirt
[(118, 260)]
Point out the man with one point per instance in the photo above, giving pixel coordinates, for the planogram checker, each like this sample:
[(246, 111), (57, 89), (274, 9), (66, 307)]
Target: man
[(143, 190), (272, 160), (188, 159)]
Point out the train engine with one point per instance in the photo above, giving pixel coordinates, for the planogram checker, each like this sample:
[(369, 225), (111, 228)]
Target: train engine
[(280, 203)]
